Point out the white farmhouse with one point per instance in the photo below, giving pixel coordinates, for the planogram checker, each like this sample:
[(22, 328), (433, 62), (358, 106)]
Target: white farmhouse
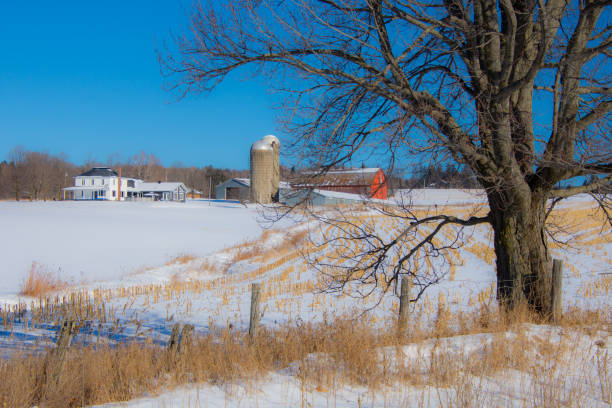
[(103, 183)]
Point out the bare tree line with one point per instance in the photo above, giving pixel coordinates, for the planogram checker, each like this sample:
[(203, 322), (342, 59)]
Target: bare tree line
[(34, 175), (440, 176), (37, 175)]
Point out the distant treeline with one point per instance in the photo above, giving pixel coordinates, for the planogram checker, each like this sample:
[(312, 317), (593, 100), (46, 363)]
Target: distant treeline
[(41, 176), (436, 176)]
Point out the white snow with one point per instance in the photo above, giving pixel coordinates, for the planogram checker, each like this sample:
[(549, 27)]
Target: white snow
[(120, 244), (440, 197), (91, 240)]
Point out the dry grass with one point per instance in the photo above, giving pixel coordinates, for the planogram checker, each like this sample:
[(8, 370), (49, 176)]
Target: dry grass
[(246, 251), (325, 356), (209, 266), (261, 250), (40, 281), (181, 259)]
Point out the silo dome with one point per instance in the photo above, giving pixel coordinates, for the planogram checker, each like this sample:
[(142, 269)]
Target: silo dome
[(261, 145), (271, 139)]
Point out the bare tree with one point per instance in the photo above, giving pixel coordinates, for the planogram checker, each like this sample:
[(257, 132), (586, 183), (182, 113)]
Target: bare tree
[(36, 174), (6, 175), (17, 158), (452, 76), (147, 166)]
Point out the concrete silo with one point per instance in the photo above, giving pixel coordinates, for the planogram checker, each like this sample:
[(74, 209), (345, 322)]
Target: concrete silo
[(273, 141), (262, 158)]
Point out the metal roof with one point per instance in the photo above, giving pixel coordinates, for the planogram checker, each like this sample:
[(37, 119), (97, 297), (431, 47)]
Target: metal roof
[(244, 181), (336, 178), (160, 187), (247, 182), (364, 170), (87, 188), (100, 172)]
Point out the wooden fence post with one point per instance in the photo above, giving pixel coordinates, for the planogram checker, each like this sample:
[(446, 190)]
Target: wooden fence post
[(186, 338), (404, 310), (254, 320), (555, 290), (64, 338), (174, 338)]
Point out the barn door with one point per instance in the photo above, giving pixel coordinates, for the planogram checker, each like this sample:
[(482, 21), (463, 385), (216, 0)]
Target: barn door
[(232, 193)]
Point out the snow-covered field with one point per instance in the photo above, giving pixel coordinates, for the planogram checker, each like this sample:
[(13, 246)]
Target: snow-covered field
[(98, 241), (128, 254)]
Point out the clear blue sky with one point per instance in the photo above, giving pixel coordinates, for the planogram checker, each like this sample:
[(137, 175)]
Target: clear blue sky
[(82, 78)]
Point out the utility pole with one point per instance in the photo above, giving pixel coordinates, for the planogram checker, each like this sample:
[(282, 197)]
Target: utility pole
[(209, 189)]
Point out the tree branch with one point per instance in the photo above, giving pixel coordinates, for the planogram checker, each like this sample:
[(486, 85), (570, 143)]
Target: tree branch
[(588, 188), (598, 112)]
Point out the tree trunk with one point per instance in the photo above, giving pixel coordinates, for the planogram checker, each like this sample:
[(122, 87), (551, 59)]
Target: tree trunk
[(523, 262)]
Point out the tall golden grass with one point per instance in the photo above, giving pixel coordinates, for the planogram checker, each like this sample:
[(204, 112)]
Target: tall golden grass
[(181, 259), (324, 356), (40, 281), (261, 250)]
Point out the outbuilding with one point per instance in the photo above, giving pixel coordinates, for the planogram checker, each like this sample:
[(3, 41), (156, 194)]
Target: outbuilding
[(367, 182), (233, 189), (163, 191)]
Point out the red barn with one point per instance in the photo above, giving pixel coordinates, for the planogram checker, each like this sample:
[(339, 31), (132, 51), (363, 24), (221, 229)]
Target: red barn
[(369, 182)]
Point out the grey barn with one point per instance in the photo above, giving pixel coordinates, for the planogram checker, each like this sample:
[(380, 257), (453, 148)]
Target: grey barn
[(233, 189)]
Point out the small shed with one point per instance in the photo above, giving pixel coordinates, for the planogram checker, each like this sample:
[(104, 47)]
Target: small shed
[(233, 189), (193, 193)]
